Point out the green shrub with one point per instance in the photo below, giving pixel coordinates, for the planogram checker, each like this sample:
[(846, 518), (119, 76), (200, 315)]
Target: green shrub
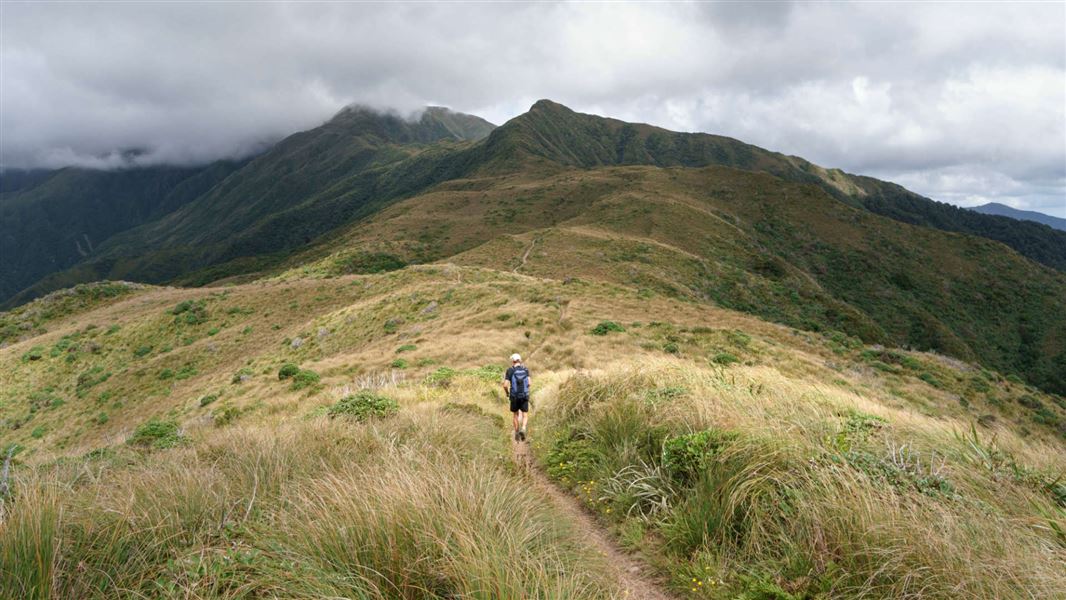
[(101, 418), (367, 262), (441, 377), (190, 312), (156, 433), (488, 373), (671, 348), (224, 415), (142, 351), (1015, 379), (725, 358), (399, 363), (406, 348), (242, 374), (364, 405), (288, 370), (685, 457), (35, 353), (208, 399), (213, 331), (185, 372), (38, 432), (303, 379), (605, 327), (166, 374)]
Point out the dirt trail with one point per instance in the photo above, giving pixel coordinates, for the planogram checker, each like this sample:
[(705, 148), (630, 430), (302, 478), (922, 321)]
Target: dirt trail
[(525, 256), (631, 574)]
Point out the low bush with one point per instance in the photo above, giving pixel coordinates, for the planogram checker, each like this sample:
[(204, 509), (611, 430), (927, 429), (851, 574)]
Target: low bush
[(243, 374), (364, 405), (34, 353), (725, 358), (605, 327), (442, 377), (685, 457), (190, 312), (304, 378), (287, 371), (157, 434)]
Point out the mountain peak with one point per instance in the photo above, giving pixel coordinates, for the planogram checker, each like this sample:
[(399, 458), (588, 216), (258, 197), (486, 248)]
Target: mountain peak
[(433, 123), (545, 104)]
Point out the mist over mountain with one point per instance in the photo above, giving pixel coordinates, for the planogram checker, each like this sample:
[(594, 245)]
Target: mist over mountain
[(264, 267), (330, 191)]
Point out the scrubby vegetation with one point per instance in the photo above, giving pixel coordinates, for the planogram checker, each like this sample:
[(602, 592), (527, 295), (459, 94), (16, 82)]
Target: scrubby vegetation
[(777, 489), (364, 405), (761, 461), (270, 512)]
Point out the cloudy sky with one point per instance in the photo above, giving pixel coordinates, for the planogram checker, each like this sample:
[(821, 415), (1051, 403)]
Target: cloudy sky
[(964, 103)]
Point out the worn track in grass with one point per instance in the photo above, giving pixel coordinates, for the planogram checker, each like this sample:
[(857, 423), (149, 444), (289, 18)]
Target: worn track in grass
[(633, 577)]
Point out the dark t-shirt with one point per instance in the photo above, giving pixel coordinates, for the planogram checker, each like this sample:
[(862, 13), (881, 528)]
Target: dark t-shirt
[(510, 371)]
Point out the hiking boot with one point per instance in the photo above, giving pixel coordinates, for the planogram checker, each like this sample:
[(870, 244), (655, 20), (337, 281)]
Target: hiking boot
[(522, 435), (516, 438)]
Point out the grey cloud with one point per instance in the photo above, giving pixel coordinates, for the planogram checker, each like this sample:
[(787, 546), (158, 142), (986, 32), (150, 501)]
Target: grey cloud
[(959, 102)]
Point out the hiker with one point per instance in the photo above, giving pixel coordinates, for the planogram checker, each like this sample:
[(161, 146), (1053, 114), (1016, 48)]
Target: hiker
[(516, 384)]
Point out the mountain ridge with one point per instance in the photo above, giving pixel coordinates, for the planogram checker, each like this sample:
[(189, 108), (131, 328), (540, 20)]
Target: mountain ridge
[(1002, 210), (766, 233)]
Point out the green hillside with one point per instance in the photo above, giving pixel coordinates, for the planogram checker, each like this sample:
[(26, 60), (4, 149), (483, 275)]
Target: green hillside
[(51, 221), (345, 437), (788, 252), (694, 216), (304, 186)]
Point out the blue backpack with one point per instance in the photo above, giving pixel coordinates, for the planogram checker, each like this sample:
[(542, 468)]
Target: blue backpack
[(520, 383)]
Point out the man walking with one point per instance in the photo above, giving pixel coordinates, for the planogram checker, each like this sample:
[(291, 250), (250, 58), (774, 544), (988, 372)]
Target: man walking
[(516, 384)]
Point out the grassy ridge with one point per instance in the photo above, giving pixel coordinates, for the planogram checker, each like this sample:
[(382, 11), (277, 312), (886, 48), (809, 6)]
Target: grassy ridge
[(413, 507), (786, 252), (342, 437), (775, 489)]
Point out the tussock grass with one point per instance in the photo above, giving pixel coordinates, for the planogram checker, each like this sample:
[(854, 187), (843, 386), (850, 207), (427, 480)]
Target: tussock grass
[(807, 489), (423, 505)]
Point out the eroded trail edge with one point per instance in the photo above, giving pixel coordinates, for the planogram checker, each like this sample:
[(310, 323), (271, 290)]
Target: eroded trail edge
[(632, 575)]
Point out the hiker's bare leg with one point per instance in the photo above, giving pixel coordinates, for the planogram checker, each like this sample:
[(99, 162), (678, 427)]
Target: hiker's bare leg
[(523, 420), (514, 420)]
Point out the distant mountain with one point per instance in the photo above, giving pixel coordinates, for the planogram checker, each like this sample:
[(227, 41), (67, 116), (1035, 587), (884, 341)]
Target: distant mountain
[(307, 184), (554, 132), (995, 208), (50, 221), (703, 217), (773, 238)]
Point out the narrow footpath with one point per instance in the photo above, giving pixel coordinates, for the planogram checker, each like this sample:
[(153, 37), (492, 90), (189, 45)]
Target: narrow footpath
[(632, 576), (525, 256)]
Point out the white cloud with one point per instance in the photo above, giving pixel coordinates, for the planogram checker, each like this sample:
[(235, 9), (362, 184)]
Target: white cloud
[(956, 101)]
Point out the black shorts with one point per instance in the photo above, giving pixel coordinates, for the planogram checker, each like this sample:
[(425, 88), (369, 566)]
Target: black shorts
[(519, 404)]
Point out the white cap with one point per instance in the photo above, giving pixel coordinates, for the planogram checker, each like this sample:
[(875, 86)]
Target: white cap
[(516, 358)]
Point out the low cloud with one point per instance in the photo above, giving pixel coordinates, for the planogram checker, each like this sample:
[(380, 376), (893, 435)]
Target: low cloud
[(961, 103)]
